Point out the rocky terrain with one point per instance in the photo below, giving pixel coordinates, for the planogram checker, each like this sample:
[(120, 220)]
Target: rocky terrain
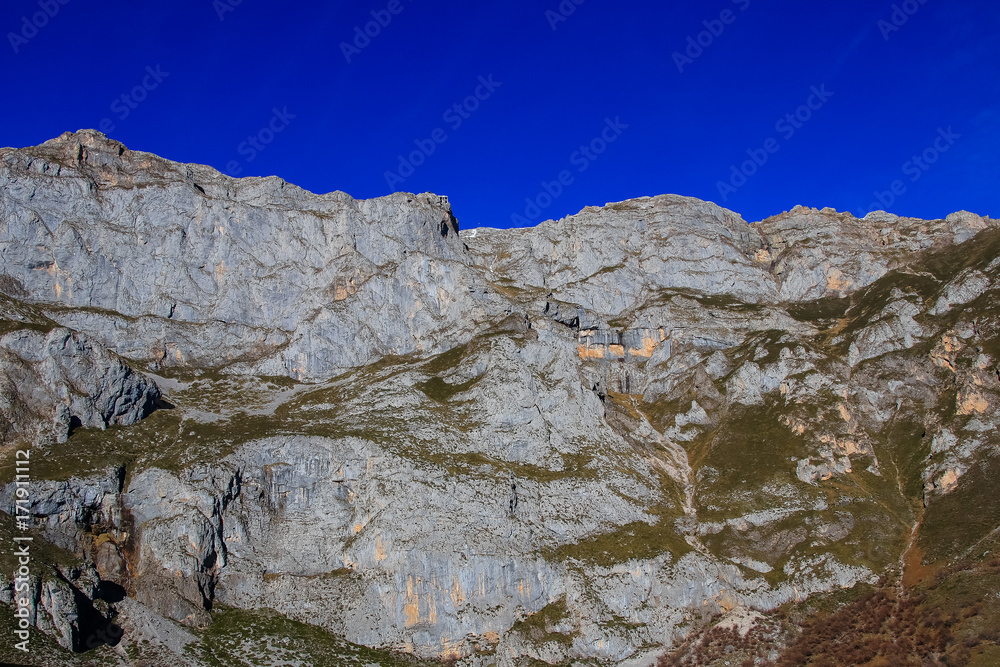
[(269, 427)]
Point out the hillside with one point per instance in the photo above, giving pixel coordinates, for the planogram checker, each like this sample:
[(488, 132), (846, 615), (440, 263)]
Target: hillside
[(273, 427)]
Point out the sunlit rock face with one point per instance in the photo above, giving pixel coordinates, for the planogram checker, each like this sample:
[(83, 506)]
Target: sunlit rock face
[(578, 441)]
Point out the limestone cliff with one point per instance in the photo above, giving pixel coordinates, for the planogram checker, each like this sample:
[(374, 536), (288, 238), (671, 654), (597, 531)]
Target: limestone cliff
[(263, 417)]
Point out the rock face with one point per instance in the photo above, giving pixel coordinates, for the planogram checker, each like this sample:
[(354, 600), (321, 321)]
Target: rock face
[(56, 381), (571, 442), (177, 265)]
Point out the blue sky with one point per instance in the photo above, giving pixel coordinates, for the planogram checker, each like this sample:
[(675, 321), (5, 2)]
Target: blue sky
[(757, 105)]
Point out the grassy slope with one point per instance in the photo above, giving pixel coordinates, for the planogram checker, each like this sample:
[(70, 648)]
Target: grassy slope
[(944, 608)]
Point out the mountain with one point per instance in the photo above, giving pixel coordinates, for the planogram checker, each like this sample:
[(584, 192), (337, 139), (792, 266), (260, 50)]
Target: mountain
[(273, 427)]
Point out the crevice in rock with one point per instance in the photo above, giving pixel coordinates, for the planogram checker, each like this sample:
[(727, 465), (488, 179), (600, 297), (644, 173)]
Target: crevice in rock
[(513, 495), (93, 628)]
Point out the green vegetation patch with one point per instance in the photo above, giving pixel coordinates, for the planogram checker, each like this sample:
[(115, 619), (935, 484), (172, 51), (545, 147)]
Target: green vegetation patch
[(904, 450), (750, 448), (264, 638), (7, 326), (820, 310), (538, 628), (976, 253), (728, 302), (956, 521), (44, 651), (661, 412), (43, 552), (634, 541), (89, 452), (439, 390), (867, 304), (446, 361), (15, 314)]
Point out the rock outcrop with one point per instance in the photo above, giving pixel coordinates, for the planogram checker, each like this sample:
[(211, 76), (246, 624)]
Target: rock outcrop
[(179, 265), (575, 442), (59, 380)]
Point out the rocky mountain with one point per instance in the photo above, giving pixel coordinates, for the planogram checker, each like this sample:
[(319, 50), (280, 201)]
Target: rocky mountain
[(272, 427)]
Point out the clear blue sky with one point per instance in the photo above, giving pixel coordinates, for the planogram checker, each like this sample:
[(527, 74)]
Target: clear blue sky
[(927, 87)]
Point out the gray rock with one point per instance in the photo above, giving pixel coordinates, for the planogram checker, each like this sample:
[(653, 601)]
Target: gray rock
[(219, 270), (59, 380), (566, 443)]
